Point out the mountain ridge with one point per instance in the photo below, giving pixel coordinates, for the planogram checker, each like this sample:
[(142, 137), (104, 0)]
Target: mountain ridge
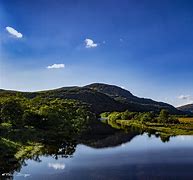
[(186, 108), (102, 97)]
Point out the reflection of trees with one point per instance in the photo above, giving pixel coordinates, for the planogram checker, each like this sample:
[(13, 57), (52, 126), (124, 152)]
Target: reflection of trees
[(8, 162), (165, 138), (58, 146), (53, 145), (113, 140), (140, 130), (63, 150)]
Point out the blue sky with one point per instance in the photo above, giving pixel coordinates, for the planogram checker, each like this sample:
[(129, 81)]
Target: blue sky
[(143, 46)]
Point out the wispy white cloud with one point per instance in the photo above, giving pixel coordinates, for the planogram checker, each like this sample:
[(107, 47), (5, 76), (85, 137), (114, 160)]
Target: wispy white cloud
[(56, 166), (14, 32), (89, 43), (56, 66), (187, 98)]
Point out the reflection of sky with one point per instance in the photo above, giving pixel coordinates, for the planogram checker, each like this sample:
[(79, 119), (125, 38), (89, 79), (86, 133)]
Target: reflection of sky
[(141, 143), (22, 175), (142, 150)]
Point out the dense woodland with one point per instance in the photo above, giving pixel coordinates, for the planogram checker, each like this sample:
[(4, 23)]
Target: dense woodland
[(68, 116), (143, 117)]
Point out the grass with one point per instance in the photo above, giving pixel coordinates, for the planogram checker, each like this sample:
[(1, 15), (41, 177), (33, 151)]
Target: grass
[(185, 127), (186, 120)]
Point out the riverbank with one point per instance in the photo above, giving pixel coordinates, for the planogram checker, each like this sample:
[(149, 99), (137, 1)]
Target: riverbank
[(185, 127)]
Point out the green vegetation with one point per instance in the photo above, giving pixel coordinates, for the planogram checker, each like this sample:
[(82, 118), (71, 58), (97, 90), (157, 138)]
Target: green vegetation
[(32, 127), (163, 117), (100, 97), (47, 114), (130, 102), (162, 123)]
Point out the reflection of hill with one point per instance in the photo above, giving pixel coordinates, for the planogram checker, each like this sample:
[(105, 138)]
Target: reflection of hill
[(112, 140), (103, 135), (15, 148)]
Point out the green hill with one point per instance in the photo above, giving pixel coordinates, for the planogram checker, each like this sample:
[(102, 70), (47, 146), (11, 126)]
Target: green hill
[(131, 101), (101, 98)]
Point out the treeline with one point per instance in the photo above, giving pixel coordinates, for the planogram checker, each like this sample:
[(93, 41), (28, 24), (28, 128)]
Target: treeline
[(163, 117), (69, 116)]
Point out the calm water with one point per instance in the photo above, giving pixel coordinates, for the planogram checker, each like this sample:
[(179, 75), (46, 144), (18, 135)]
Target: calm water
[(138, 157)]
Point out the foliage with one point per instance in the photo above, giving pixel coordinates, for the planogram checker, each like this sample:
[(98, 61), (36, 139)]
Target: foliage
[(114, 116), (163, 116), (12, 111), (70, 116), (148, 117), (105, 114), (128, 115), (143, 117)]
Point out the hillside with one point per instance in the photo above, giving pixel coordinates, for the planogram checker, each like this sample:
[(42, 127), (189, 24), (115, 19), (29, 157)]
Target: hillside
[(187, 108), (101, 98), (127, 98), (122, 94)]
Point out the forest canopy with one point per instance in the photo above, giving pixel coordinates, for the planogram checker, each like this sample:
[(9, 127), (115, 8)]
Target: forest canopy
[(68, 116)]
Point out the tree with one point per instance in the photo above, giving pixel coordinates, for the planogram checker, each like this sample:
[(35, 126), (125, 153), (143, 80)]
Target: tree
[(12, 111), (114, 116), (127, 115), (163, 116), (173, 120), (69, 116), (104, 114), (56, 115), (32, 118), (148, 117)]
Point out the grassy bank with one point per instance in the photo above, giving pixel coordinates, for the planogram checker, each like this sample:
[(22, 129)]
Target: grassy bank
[(185, 127)]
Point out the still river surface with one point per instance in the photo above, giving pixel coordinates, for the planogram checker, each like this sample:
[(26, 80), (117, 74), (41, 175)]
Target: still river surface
[(139, 157)]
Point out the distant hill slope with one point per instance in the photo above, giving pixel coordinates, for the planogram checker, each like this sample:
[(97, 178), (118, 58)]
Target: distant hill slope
[(127, 98), (186, 108), (99, 102), (122, 94), (101, 97)]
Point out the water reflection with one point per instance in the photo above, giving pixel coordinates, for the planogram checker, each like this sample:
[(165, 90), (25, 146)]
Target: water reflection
[(56, 165), (13, 158), (129, 130), (57, 147)]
